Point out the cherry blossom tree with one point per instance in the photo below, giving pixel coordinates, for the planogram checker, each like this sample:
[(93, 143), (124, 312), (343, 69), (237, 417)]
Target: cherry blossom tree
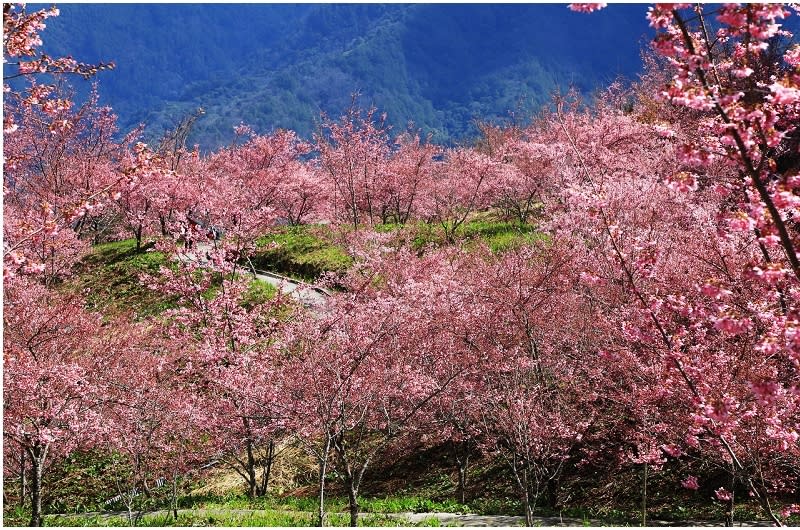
[(302, 195), (743, 153), (538, 402), (522, 188), (349, 367), (368, 371), (155, 426), (353, 153), (57, 180), (55, 357), (408, 178), (229, 346), (21, 41), (58, 160), (167, 184), (465, 182), (674, 335), (457, 419)]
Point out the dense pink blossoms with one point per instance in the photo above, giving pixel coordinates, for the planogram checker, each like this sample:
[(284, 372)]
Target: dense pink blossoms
[(647, 327)]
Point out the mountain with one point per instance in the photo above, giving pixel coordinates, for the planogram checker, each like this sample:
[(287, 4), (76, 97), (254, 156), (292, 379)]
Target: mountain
[(440, 66)]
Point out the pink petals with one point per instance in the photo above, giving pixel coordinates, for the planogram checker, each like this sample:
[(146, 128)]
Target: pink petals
[(690, 482), (586, 7)]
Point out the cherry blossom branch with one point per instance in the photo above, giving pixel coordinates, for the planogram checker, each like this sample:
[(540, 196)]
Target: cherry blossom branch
[(783, 233)]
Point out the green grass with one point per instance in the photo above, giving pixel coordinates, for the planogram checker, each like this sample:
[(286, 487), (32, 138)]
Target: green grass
[(413, 504), (499, 236), (304, 252), (83, 520), (225, 518), (240, 501), (199, 518), (109, 275), (231, 517), (375, 505), (496, 506), (232, 500), (16, 515), (238, 510), (258, 292)]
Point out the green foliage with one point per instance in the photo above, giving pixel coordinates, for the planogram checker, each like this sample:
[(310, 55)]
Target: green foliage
[(309, 504), (496, 506), (333, 503), (16, 515), (430, 521), (111, 273), (304, 252), (234, 500), (82, 482), (236, 509), (199, 518), (232, 518), (500, 236), (90, 520)]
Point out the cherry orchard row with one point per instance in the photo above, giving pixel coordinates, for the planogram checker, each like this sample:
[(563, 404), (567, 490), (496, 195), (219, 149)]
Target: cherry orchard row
[(655, 328), (357, 176)]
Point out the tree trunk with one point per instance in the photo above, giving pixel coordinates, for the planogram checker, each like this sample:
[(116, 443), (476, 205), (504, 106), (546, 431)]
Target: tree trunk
[(352, 479), (267, 471), (462, 461), (323, 469), (644, 496), (526, 500), (251, 470), (729, 515), (23, 479), (175, 496), (163, 222), (462, 483), (138, 235), (352, 496), (37, 462), (521, 478), (128, 496), (553, 487)]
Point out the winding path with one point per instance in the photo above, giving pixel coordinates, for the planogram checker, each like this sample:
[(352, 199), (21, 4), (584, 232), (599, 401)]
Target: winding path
[(307, 294)]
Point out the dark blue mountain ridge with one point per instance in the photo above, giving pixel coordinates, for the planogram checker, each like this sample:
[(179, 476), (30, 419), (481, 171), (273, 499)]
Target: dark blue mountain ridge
[(440, 66)]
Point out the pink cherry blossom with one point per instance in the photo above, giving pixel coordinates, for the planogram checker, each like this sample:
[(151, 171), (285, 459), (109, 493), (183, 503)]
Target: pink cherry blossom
[(586, 8), (690, 482), (723, 494)]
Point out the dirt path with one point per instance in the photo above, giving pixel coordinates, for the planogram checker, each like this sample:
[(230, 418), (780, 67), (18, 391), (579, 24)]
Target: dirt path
[(514, 520), (307, 294)]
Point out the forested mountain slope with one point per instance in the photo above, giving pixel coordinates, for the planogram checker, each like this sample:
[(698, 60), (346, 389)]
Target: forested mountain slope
[(440, 66)]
